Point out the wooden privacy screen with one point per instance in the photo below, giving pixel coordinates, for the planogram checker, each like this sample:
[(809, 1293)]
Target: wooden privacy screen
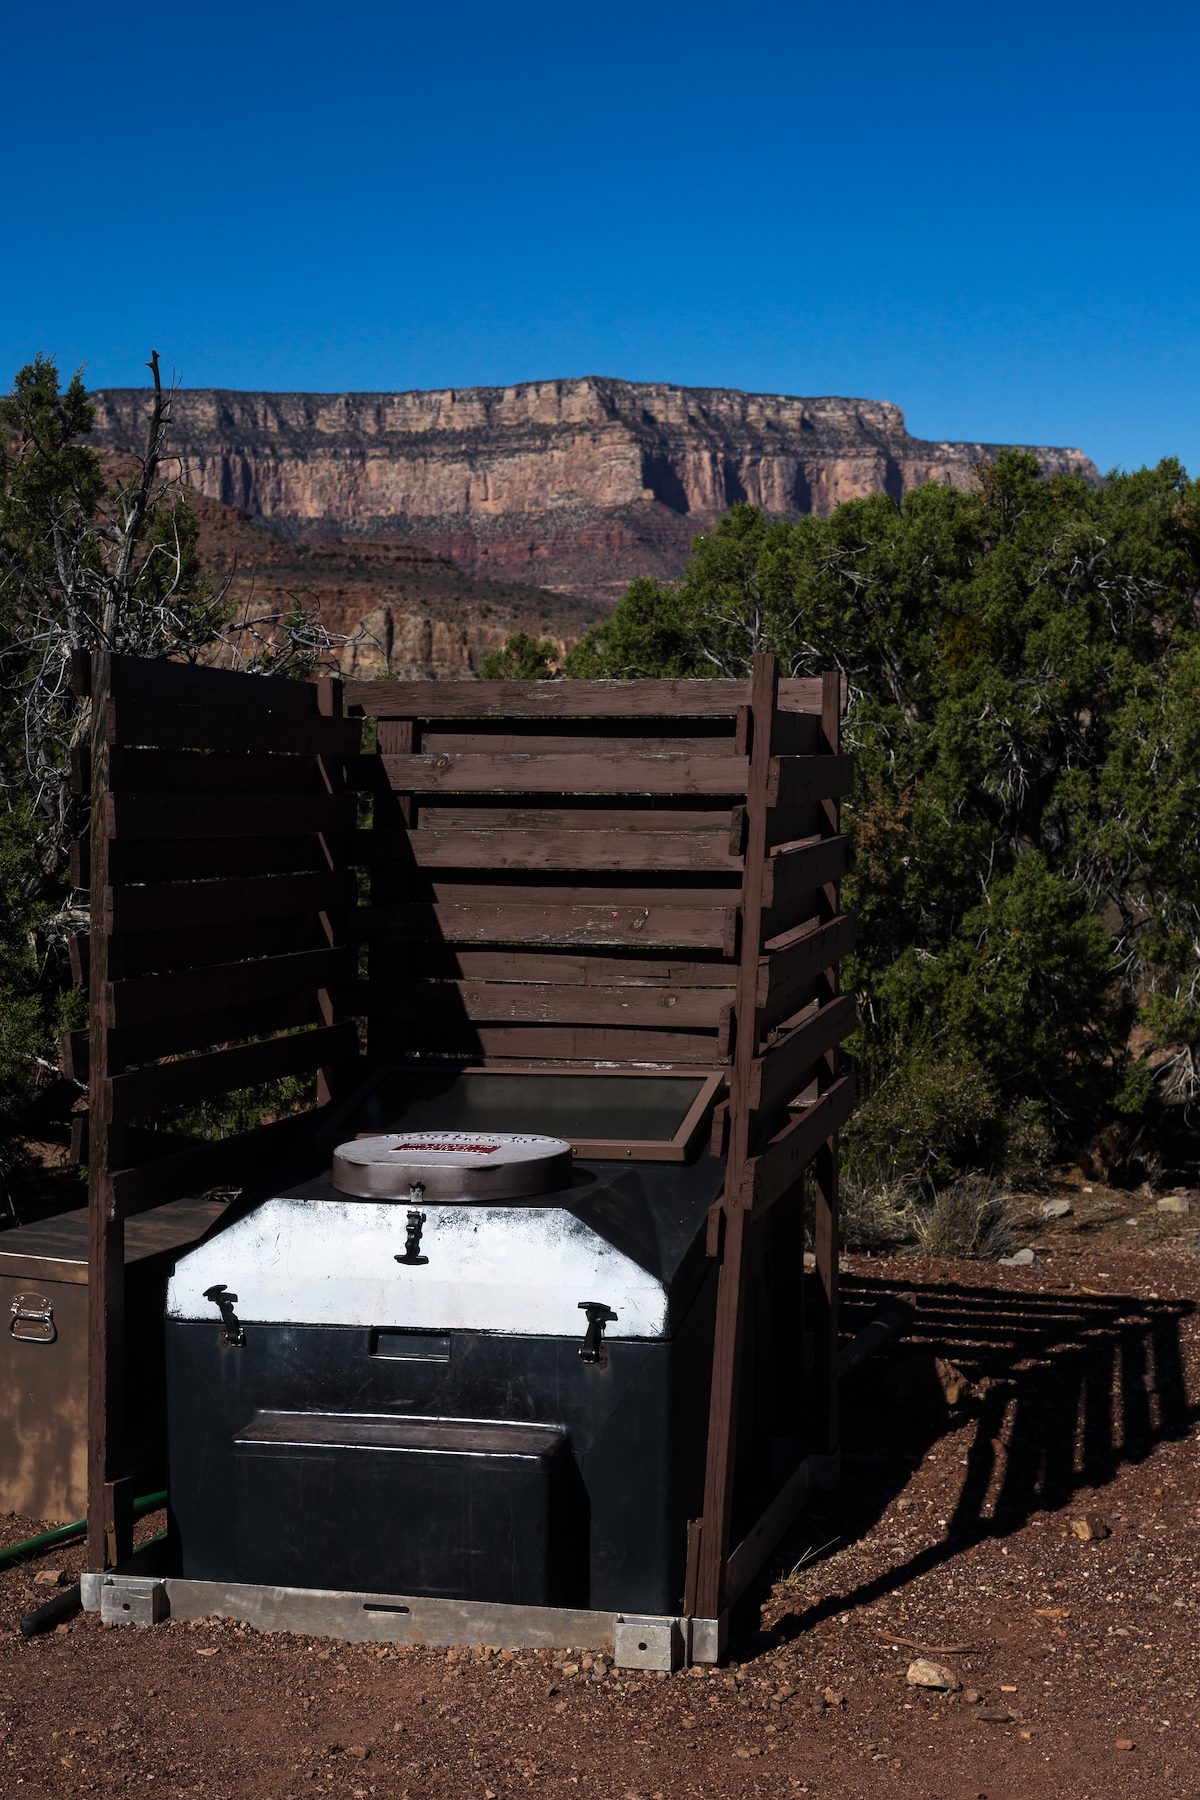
[(604, 873), (216, 957)]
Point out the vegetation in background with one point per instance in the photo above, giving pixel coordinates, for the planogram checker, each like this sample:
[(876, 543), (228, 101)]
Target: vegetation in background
[(1023, 662)]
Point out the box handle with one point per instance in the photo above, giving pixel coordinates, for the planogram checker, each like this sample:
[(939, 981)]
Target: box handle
[(33, 1319)]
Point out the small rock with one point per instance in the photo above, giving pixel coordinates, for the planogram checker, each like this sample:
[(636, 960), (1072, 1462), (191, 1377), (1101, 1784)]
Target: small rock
[(1173, 1203), (925, 1674), (996, 1715), (51, 1578), (1055, 1209), (570, 1668), (832, 1698), (359, 1752), (904, 1504), (972, 1696), (211, 1650), (1020, 1259), (1090, 1529), (1123, 1744)]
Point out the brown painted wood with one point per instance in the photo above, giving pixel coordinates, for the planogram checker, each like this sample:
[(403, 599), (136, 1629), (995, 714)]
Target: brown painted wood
[(541, 1003), (598, 1044), (81, 770), (155, 952), (635, 850), (226, 815), (566, 887), (167, 1085), (79, 957), (73, 1055), (210, 772), (710, 1575), (786, 972), (173, 1035), (224, 1161), (777, 1168), (205, 859), (670, 927), (142, 1000), (200, 728), (788, 1066), (795, 780), (175, 906), (823, 1413), (80, 858), (792, 875), (592, 770), (333, 919), (566, 699), (796, 734), (188, 684), (583, 816), (651, 737), (554, 967)]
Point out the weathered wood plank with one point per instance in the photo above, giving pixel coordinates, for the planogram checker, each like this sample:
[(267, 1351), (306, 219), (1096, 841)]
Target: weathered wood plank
[(226, 815), (785, 972), (140, 1000), (232, 1160), (569, 850), (599, 1044), (195, 946), (792, 874), (593, 770), (199, 728), (173, 1084), (537, 1003), (210, 772), (787, 1067), (795, 780), (609, 736), (169, 905), (556, 889), (566, 699), (796, 734), (175, 1034), (202, 859), (670, 927), (185, 684), (777, 1169), (556, 967), (436, 816)]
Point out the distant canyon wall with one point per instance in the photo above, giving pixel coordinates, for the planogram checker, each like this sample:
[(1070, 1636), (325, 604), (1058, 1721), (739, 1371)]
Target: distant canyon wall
[(576, 485)]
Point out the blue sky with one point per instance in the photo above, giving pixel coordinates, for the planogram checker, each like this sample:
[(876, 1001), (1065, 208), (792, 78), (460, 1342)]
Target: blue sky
[(986, 214)]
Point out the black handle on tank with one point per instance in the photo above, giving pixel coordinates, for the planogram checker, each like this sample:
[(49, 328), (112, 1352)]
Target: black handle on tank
[(232, 1334), (598, 1314)]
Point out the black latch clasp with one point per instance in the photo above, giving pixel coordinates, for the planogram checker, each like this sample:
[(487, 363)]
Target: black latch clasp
[(232, 1334), (412, 1237), (598, 1315)]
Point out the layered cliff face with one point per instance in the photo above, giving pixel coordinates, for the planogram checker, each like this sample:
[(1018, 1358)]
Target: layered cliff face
[(574, 485)]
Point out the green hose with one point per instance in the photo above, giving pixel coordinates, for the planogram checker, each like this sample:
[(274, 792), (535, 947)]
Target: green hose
[(63, 1534)]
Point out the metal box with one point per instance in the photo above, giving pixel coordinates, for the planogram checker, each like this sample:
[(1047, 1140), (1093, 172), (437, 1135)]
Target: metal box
[(43, 1352)]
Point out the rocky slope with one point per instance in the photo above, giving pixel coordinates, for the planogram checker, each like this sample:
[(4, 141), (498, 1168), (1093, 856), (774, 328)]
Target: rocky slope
[(573, 485), (402, 608)]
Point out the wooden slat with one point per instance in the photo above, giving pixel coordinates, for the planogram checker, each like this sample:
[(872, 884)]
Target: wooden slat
[(795, 780), (185, 684), (604, 735), (792, 875), (591, 771), (197, 946), (209, 903), (140, 1000), (779, 1075), (198, 728), (538, 1003), (568, 850), (796, 734), (557, 888), (597, 1044), (175, 1084), (558, 968), (80, 862), (566, 699), (73, 1055), (673, 927), (203, 859), (781, 1164), (226, 816), (210, 772), (786, 971), (174, 1035), (434, 816), (229, 1161)]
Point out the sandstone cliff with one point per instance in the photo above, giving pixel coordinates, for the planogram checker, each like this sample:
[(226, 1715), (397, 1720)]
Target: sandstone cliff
[(573, 485)]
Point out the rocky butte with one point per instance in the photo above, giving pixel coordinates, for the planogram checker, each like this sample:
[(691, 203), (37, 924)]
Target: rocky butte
[(576, 486)]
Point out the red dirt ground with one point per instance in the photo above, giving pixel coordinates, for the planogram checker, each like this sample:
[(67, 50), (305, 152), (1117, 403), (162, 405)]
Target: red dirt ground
[(950, 1535)]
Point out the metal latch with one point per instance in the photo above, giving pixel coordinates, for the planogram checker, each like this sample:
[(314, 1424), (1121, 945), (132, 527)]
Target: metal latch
[(232, 1334), (412, 1236), (598, 1315), (33, 1319)]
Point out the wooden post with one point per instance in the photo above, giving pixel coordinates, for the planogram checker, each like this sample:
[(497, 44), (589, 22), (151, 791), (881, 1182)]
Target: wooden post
[(110, 1489), (708, 1598), (824, 1415), (332, 776)]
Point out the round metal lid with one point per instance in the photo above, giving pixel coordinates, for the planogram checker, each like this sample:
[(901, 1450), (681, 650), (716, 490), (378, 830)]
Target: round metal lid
[(454, 1166)]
